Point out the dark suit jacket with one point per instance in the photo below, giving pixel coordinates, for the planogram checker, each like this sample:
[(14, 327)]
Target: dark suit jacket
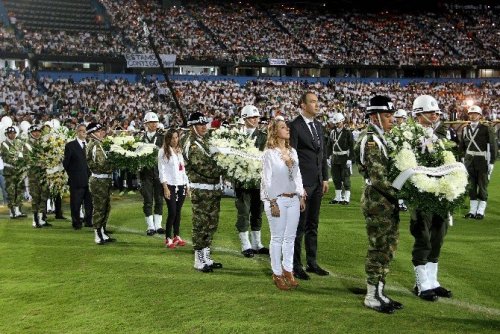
[(75, 164), (312, 160)]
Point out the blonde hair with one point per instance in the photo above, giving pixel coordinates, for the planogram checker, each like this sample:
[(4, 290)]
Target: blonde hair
[(272, 133)]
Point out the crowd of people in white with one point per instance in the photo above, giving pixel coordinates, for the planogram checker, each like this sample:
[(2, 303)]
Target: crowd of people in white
[(215, 30), (122, 104)]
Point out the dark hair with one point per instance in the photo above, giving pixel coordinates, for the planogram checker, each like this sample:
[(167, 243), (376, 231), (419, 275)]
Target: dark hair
[(303, 97), (167, 140)]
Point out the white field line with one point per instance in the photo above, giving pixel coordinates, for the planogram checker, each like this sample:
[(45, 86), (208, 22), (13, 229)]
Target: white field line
[(458, 303)]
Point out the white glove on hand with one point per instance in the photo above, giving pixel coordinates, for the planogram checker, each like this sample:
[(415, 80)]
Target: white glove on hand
[(27, 195), (490, 170), (349, 165)]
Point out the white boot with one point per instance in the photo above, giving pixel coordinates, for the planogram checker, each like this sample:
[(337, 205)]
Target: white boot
[(338, 195), (421, 279), (98, 238), (432, 270), (381, 293), (473, 204), (208, 259), (347, 196), (199, 262), (105, 236), (423, 287), (481, 207), (41, 221), (245, 241), (157, 224), (373, 300), (18, 213), (256, 240), (36, 221), (151, 225)]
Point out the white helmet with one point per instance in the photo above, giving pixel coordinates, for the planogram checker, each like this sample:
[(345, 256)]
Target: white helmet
[(151, 117), (337, 118), (475, 109), (401, 113), (249, 111), (425, 103)]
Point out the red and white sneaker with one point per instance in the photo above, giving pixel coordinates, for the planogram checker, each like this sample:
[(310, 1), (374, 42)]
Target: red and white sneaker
[(178, 241), (169, 243)]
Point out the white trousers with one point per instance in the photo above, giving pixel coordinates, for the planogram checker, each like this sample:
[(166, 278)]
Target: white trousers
[(283, 231)]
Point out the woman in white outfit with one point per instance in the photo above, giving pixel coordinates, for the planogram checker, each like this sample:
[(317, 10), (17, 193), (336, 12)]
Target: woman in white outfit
[(282, 194), (175, 185)]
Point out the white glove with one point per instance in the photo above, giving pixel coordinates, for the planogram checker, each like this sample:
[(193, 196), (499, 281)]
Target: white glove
[(490, 170), (27, 195), (349, 165)]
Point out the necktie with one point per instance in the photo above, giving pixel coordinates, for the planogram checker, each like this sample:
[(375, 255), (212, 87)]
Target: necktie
[(84, 146), (316, 140)]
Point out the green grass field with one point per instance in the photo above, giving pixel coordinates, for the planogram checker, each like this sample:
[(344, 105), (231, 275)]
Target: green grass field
[(56, 280)]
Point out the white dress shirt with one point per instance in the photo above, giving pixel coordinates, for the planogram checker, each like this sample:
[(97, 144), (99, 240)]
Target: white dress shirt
[(276, 177), (173, 170), (81, 142)]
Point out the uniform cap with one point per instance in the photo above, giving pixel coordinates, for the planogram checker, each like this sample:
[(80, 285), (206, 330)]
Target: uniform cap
[(197, 118), (380, 103), (93, 127)]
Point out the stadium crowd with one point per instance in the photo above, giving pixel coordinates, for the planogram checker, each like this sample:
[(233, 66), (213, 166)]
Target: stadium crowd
[(213, 30), (117, 100)]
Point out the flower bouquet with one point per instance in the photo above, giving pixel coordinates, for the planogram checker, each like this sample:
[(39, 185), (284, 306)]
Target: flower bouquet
[(237, 156), (50, 157), (127, 152), (425, 170)]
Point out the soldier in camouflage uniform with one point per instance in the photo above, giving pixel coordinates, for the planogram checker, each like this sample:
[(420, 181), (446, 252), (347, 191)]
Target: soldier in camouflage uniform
[(428, 229), (248, 203), (204, 177), (151, 187), (12, 155), (37, 177), (379, 203), (99, 182)]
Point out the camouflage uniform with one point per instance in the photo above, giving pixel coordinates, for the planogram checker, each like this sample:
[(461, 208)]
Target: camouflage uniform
[(202, 170), (99, 183), (13, 157), (379, 204), (37, 176)]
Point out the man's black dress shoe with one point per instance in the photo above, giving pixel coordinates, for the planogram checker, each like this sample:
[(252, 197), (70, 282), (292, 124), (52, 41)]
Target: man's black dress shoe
[(77, 226), (442, 292), (301, 274), (317, 270)]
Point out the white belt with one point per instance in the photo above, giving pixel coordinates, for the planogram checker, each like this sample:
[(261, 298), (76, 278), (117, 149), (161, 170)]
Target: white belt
[(102, 176), (340, 152), (8, 165), (476, 153), (205, 186)]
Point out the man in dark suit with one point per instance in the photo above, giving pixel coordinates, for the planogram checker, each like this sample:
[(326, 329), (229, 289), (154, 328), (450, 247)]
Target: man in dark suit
[(75, 164), (306, 136)]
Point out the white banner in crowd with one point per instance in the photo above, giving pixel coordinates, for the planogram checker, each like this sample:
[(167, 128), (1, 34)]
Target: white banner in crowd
[(148, 60), (277, 61)]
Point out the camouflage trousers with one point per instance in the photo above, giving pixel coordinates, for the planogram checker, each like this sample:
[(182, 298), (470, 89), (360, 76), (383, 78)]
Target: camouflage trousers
[(382, 227), (206, 207), (101, 200), (15, 186), (39, 192)]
